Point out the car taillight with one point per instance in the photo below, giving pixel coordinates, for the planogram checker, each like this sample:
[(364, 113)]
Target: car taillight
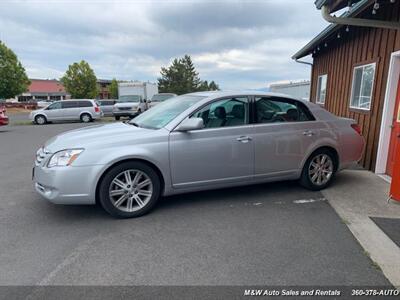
[(96, 109), (357, 128)]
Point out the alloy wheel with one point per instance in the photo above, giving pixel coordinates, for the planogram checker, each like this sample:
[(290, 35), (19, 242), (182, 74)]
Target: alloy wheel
[(320, 170), (131, 190)]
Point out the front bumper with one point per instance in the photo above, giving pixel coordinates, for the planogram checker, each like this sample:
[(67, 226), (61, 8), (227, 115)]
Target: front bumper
[(67, 185), (126, 113)]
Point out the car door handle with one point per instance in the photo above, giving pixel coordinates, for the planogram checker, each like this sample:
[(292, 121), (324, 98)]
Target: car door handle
[(244, 139), (308, 133)]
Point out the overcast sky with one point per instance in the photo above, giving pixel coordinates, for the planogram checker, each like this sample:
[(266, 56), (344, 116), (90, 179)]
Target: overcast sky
[(239, 44)]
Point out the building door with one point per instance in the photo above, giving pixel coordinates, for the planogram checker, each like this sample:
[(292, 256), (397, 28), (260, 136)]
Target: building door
[(395, 135)]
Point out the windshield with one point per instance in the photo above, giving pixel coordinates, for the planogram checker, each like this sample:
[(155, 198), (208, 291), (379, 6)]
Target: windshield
[(163, 113), (131, 98), (161, 97)]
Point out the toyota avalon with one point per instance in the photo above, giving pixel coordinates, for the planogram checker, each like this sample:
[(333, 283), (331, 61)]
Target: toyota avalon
[(193, 142)]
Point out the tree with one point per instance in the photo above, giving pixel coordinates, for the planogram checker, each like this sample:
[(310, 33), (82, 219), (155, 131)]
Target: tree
[(80, 81), (13, 79), (181, 77), (114, 88)]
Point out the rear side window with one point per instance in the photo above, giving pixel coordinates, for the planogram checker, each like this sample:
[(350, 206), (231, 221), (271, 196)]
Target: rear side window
[(85, 104), (106, 102), (69, 104), (278, 110)]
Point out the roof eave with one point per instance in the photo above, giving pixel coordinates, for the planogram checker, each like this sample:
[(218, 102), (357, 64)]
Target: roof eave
[(329, 30)]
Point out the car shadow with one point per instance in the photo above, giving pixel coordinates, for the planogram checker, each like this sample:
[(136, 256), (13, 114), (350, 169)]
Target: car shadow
[(277, 191)]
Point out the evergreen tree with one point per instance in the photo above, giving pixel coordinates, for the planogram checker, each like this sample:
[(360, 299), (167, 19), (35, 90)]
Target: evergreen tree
[(181, 77)]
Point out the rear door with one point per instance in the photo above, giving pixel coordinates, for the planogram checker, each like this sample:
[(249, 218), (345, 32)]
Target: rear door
[(85, 105), (285, 131), (221, 153), (69, 109)]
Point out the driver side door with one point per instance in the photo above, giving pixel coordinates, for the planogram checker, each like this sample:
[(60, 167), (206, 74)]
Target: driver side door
[(221, 153), (54, 111)]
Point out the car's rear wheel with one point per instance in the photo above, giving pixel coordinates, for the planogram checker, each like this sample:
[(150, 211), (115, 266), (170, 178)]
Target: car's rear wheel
[(130, 189), (40, 120), (86, 118), (117, 118), (319, 170)]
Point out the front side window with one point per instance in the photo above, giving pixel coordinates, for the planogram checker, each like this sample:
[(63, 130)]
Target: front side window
[(225, 113), (277, 110), (321, 88), (56, 105), (363, 82)]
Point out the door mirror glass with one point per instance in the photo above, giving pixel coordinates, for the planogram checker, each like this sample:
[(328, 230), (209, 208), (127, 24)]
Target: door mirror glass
[(191, 124)]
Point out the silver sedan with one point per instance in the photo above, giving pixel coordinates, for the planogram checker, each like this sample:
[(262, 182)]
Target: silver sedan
[(194, 142)]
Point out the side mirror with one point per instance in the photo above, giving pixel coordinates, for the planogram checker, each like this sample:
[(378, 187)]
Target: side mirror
[(191, 124)]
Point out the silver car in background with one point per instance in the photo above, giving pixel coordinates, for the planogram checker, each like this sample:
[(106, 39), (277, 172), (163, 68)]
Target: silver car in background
[(84, 110), (107, 106), (193, 142), (158, 98)]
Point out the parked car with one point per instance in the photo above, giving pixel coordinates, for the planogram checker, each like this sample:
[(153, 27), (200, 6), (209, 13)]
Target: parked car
[(158, 98), (107, 106), (3, 116), (194, 142), (85, 110), (43, 103), (129, 106)]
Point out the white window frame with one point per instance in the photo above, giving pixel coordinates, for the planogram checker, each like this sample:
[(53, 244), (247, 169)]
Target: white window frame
[(318, 100), (361, 86)]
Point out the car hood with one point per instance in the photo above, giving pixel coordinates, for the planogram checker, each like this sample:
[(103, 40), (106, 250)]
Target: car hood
[(98, 136)]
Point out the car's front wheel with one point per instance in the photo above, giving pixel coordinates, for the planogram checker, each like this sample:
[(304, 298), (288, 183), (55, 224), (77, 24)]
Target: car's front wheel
[(40, 120), (318, 170), (130, 189)]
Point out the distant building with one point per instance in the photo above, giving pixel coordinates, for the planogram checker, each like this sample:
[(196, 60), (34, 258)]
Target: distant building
[(104, 89), (44, 89), (298, 89)]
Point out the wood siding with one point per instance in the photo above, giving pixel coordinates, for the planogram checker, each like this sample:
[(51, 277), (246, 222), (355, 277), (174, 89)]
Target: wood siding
[(358, 46)]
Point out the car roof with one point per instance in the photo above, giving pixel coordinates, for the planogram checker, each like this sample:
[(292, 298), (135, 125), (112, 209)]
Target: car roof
[(218, 94)]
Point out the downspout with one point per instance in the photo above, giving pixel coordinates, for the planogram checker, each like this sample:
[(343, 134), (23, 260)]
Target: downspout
[(303, 62), (357, 21)]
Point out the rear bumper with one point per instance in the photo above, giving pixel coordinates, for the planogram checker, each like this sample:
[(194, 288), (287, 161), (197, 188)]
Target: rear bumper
[(67, 185)]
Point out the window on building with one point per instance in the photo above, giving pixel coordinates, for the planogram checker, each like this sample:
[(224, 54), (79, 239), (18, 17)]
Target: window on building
[(321, 88), (363, 82)]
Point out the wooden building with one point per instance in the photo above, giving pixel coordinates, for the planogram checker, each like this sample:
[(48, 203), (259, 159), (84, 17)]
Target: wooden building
[(356, 71)]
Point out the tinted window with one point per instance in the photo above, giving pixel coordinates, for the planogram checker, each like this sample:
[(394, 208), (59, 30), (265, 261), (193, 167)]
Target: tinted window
[(69, 104), (56, 105), (225, 113), (275, 110), (106, 102), (85, 104)]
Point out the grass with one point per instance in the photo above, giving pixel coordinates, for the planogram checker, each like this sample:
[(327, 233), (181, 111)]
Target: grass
[(374, 263)]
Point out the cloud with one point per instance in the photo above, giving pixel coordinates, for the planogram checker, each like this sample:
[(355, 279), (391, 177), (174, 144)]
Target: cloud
[(241, 44)]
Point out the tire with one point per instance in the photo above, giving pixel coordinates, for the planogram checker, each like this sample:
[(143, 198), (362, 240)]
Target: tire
[(117, 118), (129, 200), (319, 170), (40, 120), (86, 118)]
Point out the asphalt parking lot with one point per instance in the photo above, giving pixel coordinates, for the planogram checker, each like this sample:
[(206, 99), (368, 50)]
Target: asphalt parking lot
[(270, 234)]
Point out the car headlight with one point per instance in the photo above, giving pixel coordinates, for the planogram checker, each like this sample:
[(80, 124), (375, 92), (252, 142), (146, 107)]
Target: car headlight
[(64, 157)]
